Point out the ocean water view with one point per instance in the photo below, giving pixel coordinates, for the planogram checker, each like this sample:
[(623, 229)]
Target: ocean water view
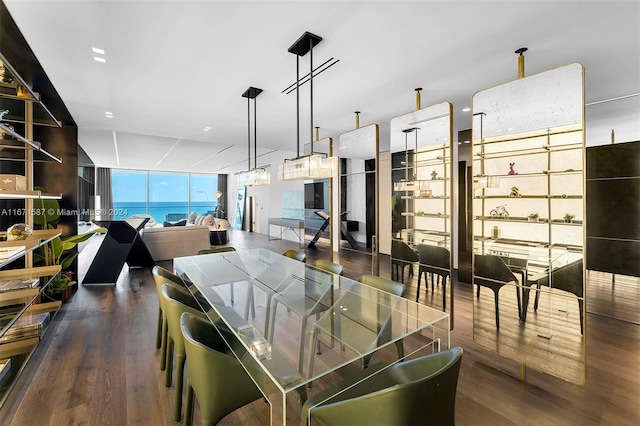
[(161, 211)]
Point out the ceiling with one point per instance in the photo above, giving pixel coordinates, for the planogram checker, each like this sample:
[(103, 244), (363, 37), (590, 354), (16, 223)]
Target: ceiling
[(174, 68)]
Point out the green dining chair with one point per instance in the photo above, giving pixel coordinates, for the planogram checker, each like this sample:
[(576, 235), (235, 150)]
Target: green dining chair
[(226, 249), (313, 298), (213, 250), (176, 303), (297, 255), (358, 314), (215, 377), (161, 276), (394, 288), (328, 266), (421, 391)]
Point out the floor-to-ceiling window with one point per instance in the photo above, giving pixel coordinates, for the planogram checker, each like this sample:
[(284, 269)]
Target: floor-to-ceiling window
[(164, 196), (129, 191), (168, 196)]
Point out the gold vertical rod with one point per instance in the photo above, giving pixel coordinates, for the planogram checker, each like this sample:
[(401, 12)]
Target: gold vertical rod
[(418, 103), (28, 171), (523, 371), (521, 61), (613, 136), (317, 134), (357, 119)]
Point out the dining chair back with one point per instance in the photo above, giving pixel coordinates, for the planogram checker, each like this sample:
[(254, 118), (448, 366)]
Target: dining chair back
[(421, 391), (297, 255), (436, 262), (177, 302), (215, 377), (490, 271)]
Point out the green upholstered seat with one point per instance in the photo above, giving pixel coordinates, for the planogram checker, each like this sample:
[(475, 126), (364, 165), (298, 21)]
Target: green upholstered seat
[(214, 375), (297, 255), (420, 391)]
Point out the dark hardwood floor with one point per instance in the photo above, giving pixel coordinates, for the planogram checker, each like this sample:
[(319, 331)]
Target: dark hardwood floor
[(97, 364)]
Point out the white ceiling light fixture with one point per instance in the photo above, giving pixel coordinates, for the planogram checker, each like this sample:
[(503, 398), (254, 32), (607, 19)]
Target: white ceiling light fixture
[(467, 109), (98, 51), (253, 176), (108, 114), (314, 165)]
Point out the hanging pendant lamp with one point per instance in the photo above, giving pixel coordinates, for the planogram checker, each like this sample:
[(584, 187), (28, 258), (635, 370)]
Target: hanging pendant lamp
[(314, 165), (252, 176)]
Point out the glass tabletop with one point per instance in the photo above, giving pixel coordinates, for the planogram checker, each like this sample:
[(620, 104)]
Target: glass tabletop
[(277, 314)]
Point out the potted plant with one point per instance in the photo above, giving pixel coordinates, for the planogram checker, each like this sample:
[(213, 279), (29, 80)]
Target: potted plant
[(58, 251), (568, 218), (533, 217)]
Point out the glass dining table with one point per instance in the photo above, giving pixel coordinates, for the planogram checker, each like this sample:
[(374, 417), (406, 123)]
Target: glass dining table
[(298, 330)]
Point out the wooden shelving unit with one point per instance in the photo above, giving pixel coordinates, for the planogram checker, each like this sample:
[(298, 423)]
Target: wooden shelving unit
[(24, 312)]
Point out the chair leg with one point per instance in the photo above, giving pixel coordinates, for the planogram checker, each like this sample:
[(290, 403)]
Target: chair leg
[(431, 276), (400, 348), (188, 409), (580, 306), (163, 345), (420, 278), (478, 291), (497, 311), (444, 293), (169, 364), (303, 329), (159, 330), (177, 407)]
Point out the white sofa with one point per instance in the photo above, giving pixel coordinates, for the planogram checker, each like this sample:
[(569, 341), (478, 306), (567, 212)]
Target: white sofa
[(167, 243)]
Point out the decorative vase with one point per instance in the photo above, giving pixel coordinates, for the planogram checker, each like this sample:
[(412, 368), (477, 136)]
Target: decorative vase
[(19, 231)]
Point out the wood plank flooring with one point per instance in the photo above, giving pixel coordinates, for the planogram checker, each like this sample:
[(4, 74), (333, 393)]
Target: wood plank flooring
[(97, 364)]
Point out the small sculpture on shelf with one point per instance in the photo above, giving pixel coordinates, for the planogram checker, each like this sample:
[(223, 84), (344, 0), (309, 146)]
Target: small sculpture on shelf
[(533, 217), (434, 175), (568, 218), (511, 169), (515, 192), (500, 211), (19, 231)]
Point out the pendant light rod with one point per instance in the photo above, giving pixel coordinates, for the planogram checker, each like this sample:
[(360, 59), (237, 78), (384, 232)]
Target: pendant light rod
[(357, 119), (311, 92), (252, 93), (418, 102), (521, 61), (301, 47), (297, 105)]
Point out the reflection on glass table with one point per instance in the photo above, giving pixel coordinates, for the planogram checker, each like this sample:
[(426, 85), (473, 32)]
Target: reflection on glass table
[(261, 277)]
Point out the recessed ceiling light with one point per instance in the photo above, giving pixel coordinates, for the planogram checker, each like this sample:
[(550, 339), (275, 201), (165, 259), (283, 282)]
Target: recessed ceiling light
[(206, 129), (108, 114), (98, 51), (466, 109), (459, 143), (99, 59), (466, 142)]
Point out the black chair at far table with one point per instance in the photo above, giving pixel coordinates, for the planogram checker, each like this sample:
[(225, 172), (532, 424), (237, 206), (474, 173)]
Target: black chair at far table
[(567, 278), (402, 255), (435, 261), (490, 271), (419, 391)]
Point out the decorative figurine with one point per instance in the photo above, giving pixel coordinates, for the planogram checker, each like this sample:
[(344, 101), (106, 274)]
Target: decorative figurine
[(515, 192), (500, 211), (533, 217), (434, 175), (511, 170), (568, 218)]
